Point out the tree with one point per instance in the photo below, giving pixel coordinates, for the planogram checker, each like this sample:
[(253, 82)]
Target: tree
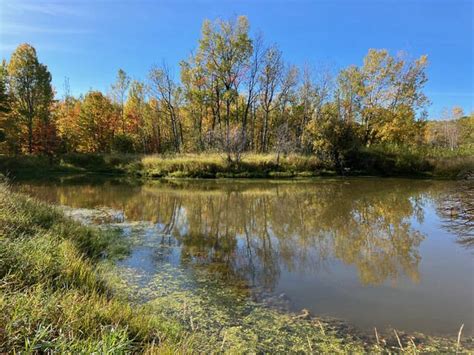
[(270, 80), (97, 123), (333, 136), (4, 96), (313, 94), (466, 130), (169, 94), (285, 104), (390, 85), (252, 85), (223, 56), (139, 124), (196, 96), (119, 92), (30, 86), (349, 95), (5, 104), (67, 113), (451, 129)]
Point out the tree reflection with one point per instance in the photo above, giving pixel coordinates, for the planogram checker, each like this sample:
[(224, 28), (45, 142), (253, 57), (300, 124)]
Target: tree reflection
[(456, 208), (250, 233)]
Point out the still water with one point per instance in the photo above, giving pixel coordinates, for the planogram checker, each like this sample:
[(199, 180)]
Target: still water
[(374, 252)]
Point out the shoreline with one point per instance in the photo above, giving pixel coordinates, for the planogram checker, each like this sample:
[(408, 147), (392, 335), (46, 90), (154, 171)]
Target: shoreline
[(213, 166)]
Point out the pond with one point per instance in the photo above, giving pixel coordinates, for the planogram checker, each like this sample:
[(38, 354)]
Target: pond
[(373, 252)]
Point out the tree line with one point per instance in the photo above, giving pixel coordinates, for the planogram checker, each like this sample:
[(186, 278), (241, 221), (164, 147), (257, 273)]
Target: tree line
[(235, 94)]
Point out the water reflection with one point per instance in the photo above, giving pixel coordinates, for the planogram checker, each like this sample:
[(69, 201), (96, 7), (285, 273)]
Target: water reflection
[(252, 232), (456, 208), (263, 234)]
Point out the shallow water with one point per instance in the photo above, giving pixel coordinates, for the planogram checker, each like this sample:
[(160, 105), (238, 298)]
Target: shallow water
[(374, 252)]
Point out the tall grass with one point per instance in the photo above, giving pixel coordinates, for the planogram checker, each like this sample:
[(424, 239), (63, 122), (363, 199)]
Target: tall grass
[(215, 165), (380, 160)]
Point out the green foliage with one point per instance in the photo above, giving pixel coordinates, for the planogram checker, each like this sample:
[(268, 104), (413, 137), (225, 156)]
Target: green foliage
[(123, 143), (30, 87), (333, 138), (96, 123)]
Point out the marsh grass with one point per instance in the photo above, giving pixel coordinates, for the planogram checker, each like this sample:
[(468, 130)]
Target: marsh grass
[(379, 160), (392, 160), (215, 165)]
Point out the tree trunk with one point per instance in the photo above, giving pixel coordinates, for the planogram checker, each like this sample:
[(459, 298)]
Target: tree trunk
[(265, 132), (30, 135)]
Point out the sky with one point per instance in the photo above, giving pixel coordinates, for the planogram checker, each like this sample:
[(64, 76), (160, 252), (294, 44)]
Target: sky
[(88, 41)]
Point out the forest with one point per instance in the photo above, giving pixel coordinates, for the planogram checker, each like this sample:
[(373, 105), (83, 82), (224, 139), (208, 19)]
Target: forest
[(235, 96)]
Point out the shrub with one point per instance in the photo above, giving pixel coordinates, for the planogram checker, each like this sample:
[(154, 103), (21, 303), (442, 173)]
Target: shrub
[(123, 143)]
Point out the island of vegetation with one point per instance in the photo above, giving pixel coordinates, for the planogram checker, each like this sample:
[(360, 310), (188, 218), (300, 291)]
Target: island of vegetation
[(238, 111)]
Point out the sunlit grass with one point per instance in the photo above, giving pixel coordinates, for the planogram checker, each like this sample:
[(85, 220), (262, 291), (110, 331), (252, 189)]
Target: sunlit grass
[(379, 160), (52, 296)]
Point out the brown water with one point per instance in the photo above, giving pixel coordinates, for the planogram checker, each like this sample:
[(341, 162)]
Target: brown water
[(375, 252)]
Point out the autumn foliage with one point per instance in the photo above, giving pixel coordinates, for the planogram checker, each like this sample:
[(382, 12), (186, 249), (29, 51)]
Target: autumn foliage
[(235, 95)]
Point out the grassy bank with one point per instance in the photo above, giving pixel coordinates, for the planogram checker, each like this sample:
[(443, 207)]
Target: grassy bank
[(58, 294), (52, 295), (374, 161)]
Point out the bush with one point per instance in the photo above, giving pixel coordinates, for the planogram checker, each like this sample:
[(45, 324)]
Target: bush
[(86, 161), (123, 143)]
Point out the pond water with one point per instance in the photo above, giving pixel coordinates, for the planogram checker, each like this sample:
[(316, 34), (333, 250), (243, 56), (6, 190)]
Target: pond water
[(374, 252)]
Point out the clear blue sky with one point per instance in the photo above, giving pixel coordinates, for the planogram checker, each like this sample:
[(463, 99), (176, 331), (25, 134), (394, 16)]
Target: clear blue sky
[(88, 41)]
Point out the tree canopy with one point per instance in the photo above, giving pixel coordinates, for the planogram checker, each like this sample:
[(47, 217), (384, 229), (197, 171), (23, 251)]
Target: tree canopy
[(234, 94)]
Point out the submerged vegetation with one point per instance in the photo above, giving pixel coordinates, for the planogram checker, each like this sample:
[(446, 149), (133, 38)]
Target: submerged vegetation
[(60, 290)]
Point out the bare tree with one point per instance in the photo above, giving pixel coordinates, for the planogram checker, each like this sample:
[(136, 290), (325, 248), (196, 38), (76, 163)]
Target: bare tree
[(451, 129), (269, 83), (252, 84), (283, 143), (167, 92)]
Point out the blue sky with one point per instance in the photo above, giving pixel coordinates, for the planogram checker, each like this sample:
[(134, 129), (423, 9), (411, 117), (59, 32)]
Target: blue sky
[(88, 41)]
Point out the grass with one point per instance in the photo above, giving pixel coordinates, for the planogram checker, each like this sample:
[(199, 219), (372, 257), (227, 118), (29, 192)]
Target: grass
[(215, 166), (59, 294), (381, 160), (374, 161), (52, 295), (392, 160)]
